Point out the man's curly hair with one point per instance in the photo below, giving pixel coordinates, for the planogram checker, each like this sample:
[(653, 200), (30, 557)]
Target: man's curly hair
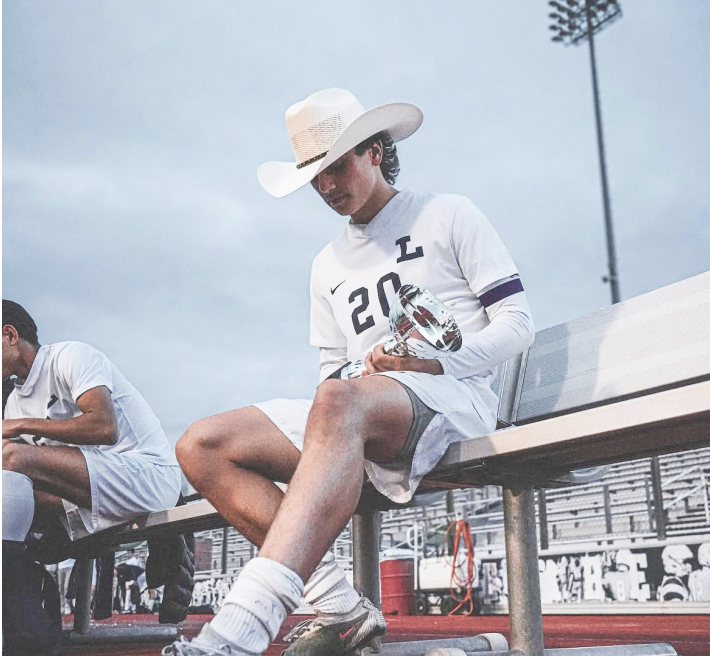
[(390, 162)]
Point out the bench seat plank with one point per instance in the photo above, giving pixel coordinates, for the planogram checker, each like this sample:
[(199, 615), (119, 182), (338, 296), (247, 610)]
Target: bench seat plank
[(664, 422), (198, 516)]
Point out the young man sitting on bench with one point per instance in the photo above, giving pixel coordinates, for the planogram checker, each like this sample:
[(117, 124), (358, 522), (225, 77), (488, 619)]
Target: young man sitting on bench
[(394, 423), (78, 438)]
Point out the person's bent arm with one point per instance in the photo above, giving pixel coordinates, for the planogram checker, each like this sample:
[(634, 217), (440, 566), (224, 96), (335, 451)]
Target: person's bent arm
[(97, 423), (510, 331)]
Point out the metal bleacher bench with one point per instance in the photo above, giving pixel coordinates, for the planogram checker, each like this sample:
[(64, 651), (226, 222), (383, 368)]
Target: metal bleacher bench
[(626, 382)]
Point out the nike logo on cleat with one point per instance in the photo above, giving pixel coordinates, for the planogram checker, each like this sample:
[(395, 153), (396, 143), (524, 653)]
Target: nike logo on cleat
[(332, 291), (345, 634)]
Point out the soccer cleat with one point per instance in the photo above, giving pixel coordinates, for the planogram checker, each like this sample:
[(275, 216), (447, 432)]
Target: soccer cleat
[(207, 643), (357, 632)]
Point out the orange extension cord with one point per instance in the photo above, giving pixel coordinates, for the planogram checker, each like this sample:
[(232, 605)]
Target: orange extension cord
[(463, 531)]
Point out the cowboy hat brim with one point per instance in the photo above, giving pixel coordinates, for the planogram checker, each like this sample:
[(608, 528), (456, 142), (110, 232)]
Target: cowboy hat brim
[(399, 120)]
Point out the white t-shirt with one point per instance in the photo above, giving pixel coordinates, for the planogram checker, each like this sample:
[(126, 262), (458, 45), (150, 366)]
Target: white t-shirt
[(61, 373), (442, 243)]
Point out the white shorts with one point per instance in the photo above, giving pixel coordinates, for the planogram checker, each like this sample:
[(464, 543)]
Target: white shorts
[(123, 486), (463, 411)]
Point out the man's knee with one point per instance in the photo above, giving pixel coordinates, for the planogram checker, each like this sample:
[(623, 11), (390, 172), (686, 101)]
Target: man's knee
[(339, 404), (371, 411), (336, 398), (205, 443), (18, 458), (194, 444)]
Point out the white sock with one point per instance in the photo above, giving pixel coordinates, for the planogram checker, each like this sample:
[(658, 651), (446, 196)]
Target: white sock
[(328, 591), (18, 505), (258, 603)]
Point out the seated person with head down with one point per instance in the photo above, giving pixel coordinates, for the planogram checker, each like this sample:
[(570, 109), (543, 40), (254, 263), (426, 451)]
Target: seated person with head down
[(394, 423), (79, 441)]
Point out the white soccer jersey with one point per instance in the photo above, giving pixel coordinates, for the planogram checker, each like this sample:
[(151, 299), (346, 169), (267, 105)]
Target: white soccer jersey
[(61, 373), (442, 243)]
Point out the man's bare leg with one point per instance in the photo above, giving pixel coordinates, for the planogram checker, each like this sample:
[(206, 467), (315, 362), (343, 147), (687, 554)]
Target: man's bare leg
[(349, 420), (232, 459), (56, 471)]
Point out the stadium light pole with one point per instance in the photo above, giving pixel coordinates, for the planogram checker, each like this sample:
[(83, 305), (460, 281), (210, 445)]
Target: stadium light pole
[(573, 22)]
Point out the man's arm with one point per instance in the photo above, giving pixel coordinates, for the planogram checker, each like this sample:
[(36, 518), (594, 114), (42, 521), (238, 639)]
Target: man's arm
[(97, 423), (509, 332)]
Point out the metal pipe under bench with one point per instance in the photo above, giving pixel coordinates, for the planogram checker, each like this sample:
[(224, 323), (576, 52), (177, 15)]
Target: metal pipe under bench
[(487, 643), (459, 647)]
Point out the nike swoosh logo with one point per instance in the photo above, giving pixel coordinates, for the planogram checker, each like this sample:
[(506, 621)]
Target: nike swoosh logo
[(345, 634), (332, 291)]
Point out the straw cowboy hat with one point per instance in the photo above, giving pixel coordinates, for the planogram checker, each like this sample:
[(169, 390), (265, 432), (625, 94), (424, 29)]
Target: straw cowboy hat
[(324, 127)]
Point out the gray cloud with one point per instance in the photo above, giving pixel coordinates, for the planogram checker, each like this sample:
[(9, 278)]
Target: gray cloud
[(133, 219)]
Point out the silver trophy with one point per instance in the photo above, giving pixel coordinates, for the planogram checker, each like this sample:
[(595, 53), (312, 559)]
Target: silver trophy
[(421, 325)]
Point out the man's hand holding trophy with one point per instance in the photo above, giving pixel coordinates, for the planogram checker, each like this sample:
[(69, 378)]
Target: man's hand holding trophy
[(422, 327)]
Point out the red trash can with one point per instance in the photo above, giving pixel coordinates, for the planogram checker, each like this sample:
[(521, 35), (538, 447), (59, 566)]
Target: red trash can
[(397, 587)]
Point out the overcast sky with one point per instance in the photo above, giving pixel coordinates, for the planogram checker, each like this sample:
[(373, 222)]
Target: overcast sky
[(133, 219)]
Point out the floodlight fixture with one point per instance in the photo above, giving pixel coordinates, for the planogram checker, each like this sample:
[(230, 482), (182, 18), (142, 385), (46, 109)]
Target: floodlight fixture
[(584, 18)]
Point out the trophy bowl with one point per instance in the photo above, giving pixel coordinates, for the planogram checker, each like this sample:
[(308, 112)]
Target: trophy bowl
[(421, 326)]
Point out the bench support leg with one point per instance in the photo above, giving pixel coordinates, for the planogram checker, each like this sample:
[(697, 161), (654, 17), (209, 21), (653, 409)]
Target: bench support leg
[(366, 555), (84, 633), (523, 573), (82, 608), (660, 513)]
